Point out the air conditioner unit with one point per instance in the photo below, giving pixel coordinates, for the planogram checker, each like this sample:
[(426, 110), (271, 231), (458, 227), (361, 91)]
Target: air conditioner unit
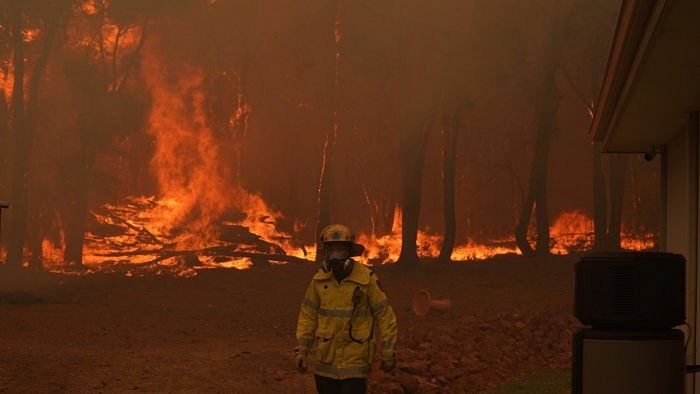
[(632, 301), (630, 289)]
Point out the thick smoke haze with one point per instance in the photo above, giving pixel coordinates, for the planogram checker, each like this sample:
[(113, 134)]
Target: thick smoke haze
[(169, 166), (213, 103)]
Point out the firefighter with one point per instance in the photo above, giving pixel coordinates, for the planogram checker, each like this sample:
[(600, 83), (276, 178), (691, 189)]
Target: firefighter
[(343, 304)]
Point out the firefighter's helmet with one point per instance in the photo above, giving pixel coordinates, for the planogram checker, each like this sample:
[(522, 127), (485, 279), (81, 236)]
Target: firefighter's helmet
[(340, 233)]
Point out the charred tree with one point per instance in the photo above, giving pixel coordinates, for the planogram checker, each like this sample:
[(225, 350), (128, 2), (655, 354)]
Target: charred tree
[(608, 196), (325, 180), (24, 116), (99, 87), (324, 184), (536, 198), (586, 64), (18, 220), (546, 106), (81, 186), (4, 162), (388, 211), (4, 138), (608, 199), (451, 129), (24, 126), (413, 160), (618, 169), (600, 200), (35, 239), (420, 97)]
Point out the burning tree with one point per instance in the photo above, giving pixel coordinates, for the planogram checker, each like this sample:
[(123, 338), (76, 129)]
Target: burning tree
[(34, 27), (98, 71)]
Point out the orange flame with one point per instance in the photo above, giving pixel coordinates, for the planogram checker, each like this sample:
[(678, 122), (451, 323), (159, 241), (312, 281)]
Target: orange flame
[(193, 224), (572, 231), (181, 230)]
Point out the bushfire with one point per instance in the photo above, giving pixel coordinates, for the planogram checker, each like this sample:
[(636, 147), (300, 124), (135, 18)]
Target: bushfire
[(135, 238), (201, 216)]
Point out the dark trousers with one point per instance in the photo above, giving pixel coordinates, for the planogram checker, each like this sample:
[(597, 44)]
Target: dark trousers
[(326, 385)]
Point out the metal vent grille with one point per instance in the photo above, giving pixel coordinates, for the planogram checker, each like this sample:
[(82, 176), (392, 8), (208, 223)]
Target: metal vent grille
[(623, 290)]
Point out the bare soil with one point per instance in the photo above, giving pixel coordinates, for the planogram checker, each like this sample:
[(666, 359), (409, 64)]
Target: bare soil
[(233, 331)]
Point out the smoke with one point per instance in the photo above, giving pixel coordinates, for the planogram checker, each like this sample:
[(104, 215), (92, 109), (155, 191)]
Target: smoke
[(222, 117)]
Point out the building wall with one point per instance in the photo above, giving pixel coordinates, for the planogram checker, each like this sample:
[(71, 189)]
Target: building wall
[(682, 223)]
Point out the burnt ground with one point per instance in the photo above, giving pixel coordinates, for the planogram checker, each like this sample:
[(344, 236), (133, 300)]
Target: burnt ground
[(233, 331)]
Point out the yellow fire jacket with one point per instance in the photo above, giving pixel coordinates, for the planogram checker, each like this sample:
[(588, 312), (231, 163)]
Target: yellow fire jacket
[(344, 332)]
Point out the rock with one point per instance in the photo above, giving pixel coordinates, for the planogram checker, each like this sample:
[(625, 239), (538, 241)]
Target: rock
[(409, 383), (417, 367), (279, 374), (453, 373), (437, 369), (476, 367), (446, 339), (424, 386), (392, 388)]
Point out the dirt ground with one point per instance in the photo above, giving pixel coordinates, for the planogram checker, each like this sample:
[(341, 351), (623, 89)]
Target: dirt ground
[(233, 331)]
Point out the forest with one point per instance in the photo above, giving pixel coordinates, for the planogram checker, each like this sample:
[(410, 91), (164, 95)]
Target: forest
[(168, 136)]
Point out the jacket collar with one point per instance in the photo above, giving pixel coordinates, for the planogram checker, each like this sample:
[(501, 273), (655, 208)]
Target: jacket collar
[(359, 274)]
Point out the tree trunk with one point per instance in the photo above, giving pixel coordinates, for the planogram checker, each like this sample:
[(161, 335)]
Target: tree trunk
[(77, 218), (325, 181), (537, 186), (4, 143), (387, 212), (242, 114), (618, 169), (600, 200), (79, 183), (542, 165), (324, 185), (413, 159), (35, 240), (24, 127), (15, 246), (524, 222), (449, 157), (75, 232)]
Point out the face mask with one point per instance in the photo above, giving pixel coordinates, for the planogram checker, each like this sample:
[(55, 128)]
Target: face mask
[(337, 251), (338, 254), (336, 265)]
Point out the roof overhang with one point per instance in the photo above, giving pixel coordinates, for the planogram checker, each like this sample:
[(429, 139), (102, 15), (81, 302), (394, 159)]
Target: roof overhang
[(652, 79)]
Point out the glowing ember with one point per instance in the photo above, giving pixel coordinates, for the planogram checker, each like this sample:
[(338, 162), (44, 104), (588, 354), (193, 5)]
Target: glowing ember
[(6, 84), (478, 251), (89, 7), (571, 231), (30, 35)]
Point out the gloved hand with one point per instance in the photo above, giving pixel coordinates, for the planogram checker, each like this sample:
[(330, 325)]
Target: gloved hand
[(388, 364), (300, 360)]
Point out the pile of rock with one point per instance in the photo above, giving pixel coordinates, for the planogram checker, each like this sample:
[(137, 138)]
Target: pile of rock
[(472, 353)]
